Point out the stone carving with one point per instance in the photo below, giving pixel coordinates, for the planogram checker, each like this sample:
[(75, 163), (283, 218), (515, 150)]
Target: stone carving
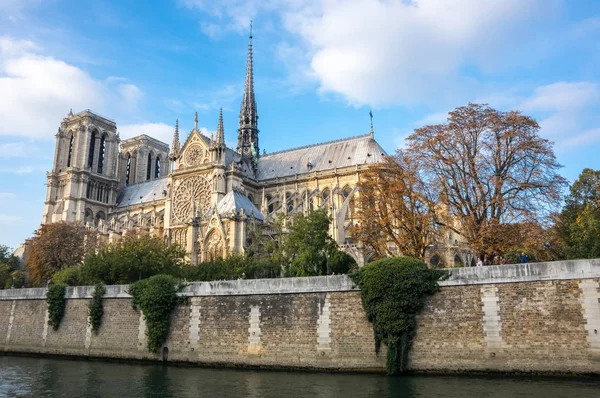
[(194, 155), (214, 246), (191, 196)]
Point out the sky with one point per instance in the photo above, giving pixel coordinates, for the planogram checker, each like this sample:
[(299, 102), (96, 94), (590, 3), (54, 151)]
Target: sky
[(320, 66)]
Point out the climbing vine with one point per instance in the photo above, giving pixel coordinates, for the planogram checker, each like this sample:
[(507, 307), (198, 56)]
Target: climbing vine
[(393, 292), (95, 309), (157, 298), (55, 297)]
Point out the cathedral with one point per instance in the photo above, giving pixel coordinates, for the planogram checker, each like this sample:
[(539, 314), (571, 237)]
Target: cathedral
[(200, 193)]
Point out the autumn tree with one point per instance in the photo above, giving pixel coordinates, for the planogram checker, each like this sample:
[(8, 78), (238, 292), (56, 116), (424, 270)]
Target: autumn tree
[(57, 246), (489, 168), (579, 222), (396, 212)]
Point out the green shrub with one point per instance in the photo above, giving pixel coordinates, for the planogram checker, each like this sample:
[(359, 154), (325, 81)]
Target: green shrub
[(157, 298), (70, 276), (55, 298), (95, 310), (393, 292)]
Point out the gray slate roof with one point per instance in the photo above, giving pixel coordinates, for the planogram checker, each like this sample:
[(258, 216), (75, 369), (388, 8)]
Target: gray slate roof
[(346, 152), (142, 192), (235, 201)]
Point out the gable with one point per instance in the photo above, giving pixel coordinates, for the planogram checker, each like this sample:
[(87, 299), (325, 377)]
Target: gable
[(195, 150)]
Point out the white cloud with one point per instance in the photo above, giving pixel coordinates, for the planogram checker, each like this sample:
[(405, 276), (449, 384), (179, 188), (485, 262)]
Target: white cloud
[(565, 111), (568, 112), (38, 90), (159, 131), (7, 195), (386, 52)]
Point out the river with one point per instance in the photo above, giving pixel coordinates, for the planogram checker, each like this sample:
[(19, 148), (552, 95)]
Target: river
[(50, 377)]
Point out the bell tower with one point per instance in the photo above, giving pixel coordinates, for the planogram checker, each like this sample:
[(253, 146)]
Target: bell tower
[(82, 185)]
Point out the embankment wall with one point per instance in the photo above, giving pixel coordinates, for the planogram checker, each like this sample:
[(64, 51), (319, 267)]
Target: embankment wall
[(526, 318)]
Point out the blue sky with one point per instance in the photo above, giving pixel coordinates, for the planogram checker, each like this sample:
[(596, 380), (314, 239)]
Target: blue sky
[(320, 65)]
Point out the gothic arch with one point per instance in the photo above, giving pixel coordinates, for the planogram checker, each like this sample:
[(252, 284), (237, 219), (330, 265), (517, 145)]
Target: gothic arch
[(214, 245), (157, 167), (92, 148), (149, 166), (89, 216), (129, 160), (102, 152), (100, 216), (71, 136)]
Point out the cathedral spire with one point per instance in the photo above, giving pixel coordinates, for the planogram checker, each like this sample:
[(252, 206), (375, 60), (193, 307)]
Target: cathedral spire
[(220, 131), (175, 146), (248, 131), (372, 132), (196, 121)]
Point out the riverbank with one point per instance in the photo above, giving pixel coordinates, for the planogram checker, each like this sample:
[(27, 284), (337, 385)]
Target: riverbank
[(526, 318)]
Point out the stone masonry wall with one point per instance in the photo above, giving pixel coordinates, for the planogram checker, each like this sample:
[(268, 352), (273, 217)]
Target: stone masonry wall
[(474, 323)]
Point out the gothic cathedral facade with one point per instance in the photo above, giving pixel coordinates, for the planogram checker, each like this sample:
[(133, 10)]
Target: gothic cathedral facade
[(201, 194)]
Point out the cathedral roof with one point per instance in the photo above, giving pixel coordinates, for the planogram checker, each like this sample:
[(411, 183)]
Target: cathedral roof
[(235, 202), (362, 149), (142, 192)]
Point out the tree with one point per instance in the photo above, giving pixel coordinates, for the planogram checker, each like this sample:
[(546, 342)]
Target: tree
[(132, 259), (395, 207), (579, 222), (308, 248), (57, 246), (488, 168)]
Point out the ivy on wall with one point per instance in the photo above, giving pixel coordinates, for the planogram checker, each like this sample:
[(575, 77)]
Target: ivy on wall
[(55, 297), (157, 298), (95, 309), (393, 292)]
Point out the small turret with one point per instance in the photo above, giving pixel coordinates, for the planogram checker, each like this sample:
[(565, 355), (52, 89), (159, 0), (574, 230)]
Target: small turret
[(175, 145), (217, 146)]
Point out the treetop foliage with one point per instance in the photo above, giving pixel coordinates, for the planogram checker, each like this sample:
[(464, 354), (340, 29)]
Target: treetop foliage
[(57, 246), (489, 168)]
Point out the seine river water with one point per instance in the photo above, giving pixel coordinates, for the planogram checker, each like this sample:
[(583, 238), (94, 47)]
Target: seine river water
[(43, 377)]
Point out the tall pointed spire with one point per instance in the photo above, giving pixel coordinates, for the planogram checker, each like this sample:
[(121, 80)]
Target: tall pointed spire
[(175, 146), (248, 131), (196, 121), (220, 132), (372, 132)]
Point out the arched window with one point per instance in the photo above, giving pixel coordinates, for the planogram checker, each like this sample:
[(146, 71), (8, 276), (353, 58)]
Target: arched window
[(89, 215), (325, 196), (101, 154), (70, 151), (149, 167), (289, 202), (128, 172), (157, 167), (345, 193), (92, 149), (270, 204)]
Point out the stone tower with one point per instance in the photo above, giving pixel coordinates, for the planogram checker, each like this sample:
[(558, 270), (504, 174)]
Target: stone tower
[(248, 131), (83, 183)]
